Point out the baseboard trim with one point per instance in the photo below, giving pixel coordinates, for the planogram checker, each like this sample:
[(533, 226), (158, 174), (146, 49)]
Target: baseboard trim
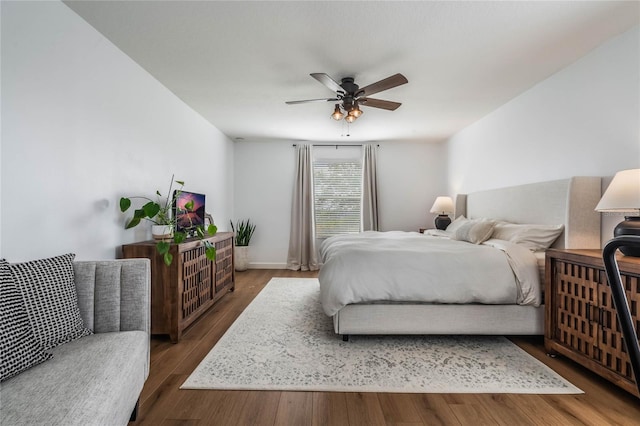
[(267, 265)]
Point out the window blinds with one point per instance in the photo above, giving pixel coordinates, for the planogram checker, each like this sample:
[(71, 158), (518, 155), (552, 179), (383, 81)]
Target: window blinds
[(337, 196)]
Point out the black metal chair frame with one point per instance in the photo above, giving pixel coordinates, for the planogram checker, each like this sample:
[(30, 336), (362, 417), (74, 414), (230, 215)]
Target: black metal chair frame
[(620, 299)]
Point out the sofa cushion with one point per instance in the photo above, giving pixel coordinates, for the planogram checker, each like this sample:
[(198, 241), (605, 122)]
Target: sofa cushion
[(95, 380), (49, 293), (18, 345)]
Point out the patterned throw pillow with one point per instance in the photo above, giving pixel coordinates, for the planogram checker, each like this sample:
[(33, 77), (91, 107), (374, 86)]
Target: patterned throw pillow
[(18, 345), (49, 292)]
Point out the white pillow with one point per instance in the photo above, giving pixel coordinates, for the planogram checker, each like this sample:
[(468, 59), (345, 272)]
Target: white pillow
[(457, 223), (474, 231), (533, 237)]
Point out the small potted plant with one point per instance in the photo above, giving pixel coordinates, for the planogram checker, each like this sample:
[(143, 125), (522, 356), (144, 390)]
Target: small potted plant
[(160, 214), (244, 232)]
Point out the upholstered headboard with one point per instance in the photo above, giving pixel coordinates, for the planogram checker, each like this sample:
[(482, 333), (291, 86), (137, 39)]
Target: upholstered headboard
[(569, 201)]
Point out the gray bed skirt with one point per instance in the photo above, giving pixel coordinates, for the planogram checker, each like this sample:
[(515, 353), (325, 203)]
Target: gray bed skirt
[(405, 318)]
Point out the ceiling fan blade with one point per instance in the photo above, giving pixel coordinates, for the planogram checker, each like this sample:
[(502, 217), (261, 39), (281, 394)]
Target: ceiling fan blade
[(327, 81), (306, 101), (387, 83), (379, 103)]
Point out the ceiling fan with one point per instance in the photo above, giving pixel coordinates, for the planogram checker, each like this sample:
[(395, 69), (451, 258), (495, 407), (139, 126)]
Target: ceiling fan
[(350, 96)]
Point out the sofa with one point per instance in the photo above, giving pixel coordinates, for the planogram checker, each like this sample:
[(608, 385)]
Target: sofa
[(96, 378)]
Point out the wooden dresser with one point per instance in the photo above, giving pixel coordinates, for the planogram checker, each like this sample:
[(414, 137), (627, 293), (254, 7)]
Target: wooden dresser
[(581, 321), (180, 293)]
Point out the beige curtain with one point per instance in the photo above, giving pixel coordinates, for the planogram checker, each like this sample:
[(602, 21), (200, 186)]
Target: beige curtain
[(369, 188), (302, 239)]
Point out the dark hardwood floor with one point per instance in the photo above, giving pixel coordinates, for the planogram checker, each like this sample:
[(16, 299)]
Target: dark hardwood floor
[(163, 403)]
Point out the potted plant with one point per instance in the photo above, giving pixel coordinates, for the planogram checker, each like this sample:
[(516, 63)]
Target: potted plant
[(160, 214), (244, 232)]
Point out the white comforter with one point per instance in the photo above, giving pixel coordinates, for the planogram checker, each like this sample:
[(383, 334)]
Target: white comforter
[(411, 267)]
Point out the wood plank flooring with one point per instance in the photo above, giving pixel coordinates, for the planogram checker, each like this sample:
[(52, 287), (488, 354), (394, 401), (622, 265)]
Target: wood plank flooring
[(163, 403)]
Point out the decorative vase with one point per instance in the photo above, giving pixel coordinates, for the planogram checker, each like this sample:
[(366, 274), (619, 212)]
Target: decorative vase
[(241, 258), (162, 232)]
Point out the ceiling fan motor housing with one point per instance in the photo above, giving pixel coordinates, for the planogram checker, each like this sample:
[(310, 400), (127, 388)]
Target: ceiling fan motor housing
[(349, 103), (349, 86)]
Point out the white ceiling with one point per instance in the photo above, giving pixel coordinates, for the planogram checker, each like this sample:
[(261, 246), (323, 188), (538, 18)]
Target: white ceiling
[(237, 62)]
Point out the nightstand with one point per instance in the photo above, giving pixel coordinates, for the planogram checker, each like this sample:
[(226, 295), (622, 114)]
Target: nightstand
[(580, 319)]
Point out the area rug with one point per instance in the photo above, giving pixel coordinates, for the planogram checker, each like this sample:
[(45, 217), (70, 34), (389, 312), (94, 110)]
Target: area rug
[(283, 341)]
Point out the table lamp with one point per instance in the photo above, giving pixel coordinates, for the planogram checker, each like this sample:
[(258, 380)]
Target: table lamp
[(443, 206), (623, 195)]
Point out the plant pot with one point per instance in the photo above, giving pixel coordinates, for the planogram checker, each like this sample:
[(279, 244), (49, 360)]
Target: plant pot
[(241, 258), (162, 232)]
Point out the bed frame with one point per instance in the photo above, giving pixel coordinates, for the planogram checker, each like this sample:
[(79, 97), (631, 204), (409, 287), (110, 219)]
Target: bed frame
[(568, 201)]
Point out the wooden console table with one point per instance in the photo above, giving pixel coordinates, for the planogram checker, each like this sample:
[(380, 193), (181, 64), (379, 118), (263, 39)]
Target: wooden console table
[(580, 318), (182, 292)]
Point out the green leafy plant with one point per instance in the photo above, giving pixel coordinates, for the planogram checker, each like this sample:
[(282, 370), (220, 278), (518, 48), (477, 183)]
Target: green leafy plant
[(159, 212), (244, 232)]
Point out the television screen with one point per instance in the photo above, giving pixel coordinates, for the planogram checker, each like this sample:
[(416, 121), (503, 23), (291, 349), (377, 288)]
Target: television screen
[(187, 219)]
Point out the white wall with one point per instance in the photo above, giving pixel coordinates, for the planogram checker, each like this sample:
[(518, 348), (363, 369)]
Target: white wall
[(263, 184), (583, 120), (411, 175), (83, 125)]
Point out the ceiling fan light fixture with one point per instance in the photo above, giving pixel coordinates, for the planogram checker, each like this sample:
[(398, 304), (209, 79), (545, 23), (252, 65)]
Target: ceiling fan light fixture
[(337, 114), (349, 95)]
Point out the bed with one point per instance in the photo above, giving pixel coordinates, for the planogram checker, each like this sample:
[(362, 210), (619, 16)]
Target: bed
[(567, 202)]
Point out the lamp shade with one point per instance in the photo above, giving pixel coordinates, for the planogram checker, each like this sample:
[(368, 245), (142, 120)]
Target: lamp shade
[(623, 193), (442, 205)]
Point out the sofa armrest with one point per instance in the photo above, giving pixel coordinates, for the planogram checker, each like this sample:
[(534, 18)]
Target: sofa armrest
[(114, 295)]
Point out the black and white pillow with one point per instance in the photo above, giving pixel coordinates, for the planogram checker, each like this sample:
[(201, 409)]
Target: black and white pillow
[(49, 293), (18, 345)]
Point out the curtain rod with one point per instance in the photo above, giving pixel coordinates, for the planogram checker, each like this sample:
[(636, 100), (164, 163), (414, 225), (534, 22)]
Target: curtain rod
[(337, 145)]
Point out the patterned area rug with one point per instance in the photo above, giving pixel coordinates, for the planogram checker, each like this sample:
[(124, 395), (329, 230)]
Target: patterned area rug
[(283, 341)]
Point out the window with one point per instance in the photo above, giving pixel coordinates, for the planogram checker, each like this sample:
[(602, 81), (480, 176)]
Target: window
[(337, 196)]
